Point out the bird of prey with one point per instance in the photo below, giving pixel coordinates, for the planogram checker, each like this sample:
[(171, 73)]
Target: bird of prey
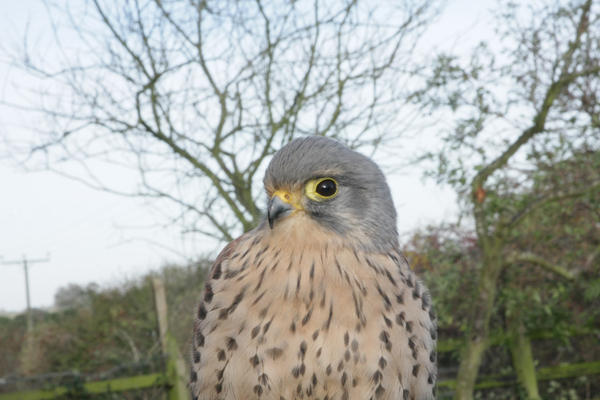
[(317, 302)]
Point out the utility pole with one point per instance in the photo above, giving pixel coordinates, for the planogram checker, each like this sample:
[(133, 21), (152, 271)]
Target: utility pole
[(25, 262)]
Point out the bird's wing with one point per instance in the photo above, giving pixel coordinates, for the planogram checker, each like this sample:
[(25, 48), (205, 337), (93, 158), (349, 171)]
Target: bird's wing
[(198, 339), (215, 270)]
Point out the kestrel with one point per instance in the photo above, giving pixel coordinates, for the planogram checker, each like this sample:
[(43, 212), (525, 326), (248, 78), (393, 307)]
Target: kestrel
[(317, 302)]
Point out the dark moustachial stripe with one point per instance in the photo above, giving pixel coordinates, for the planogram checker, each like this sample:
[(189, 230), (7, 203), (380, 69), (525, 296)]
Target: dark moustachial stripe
[(217, 271), (208, 293), (201, 311)]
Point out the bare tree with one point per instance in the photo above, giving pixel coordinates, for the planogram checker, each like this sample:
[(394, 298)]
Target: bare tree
[(517, 107), (197, 95)]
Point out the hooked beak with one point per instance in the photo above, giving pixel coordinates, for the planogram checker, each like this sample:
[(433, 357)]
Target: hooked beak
[(280, 205), (277, 208)]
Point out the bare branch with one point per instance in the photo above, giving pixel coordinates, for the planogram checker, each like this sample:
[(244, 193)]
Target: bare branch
[(203, 94), (540, 261), (548, 199)]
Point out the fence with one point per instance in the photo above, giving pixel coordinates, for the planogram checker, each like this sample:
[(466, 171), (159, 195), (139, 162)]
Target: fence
[(525, 372), (174, 377)]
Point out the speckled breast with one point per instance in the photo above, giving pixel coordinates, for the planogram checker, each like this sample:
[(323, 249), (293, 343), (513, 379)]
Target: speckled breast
[(326, 323)]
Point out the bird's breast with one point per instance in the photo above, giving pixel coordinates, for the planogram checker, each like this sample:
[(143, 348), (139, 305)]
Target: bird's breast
[(291, 322)]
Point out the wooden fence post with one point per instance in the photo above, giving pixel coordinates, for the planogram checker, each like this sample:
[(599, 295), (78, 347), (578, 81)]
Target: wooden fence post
[(176, 371)]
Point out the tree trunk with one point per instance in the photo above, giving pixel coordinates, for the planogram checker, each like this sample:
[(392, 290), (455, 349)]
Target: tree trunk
[(469, 367), (520, 348), (477, 339)]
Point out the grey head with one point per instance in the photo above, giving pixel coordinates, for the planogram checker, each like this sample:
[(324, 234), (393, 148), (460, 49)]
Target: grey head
[(362, 208)]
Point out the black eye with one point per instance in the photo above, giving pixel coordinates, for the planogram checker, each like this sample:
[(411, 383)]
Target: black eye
[(326, 188)]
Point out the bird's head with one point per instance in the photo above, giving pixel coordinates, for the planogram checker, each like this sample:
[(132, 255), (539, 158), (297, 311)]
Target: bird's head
[(339, 189)]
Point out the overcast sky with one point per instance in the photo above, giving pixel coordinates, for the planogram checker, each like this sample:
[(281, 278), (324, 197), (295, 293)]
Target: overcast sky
[(92, 236)]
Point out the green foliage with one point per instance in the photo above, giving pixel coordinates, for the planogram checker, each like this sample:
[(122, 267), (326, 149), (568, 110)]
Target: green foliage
[(119, 324), (12, 333), (565, 233), (102, 333), (446, 259), (76, 390), (558, 227), (521, 150), (562, 232), (561, 390)]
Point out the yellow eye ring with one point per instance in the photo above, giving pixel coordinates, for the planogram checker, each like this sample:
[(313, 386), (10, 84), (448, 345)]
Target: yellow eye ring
[(321, 189)]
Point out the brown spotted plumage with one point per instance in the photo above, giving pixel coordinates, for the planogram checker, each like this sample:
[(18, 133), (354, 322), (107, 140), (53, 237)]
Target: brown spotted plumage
[(317, 302)]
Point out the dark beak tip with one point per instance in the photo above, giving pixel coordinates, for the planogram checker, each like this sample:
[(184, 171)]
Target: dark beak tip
[(276, 209), (270, 221), (269, 213)]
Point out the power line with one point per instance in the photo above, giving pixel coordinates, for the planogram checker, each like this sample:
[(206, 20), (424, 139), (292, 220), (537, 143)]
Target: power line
[(26, 262)]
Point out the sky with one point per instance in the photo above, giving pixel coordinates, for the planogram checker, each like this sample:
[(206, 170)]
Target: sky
[(93, 236)]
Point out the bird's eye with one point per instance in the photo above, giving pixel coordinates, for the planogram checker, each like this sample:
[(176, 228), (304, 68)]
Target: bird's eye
[(321, 189), (326, 188)]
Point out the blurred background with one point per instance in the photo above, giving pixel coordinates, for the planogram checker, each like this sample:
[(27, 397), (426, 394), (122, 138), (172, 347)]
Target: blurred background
[(134, 136)]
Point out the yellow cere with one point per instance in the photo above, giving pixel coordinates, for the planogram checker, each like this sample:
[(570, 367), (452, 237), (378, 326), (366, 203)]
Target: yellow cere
[(313, 185), (288, 198)]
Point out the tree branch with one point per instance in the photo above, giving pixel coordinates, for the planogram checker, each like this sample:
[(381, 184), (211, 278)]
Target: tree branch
[(544, 200), (531, 258), (539, 122)]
